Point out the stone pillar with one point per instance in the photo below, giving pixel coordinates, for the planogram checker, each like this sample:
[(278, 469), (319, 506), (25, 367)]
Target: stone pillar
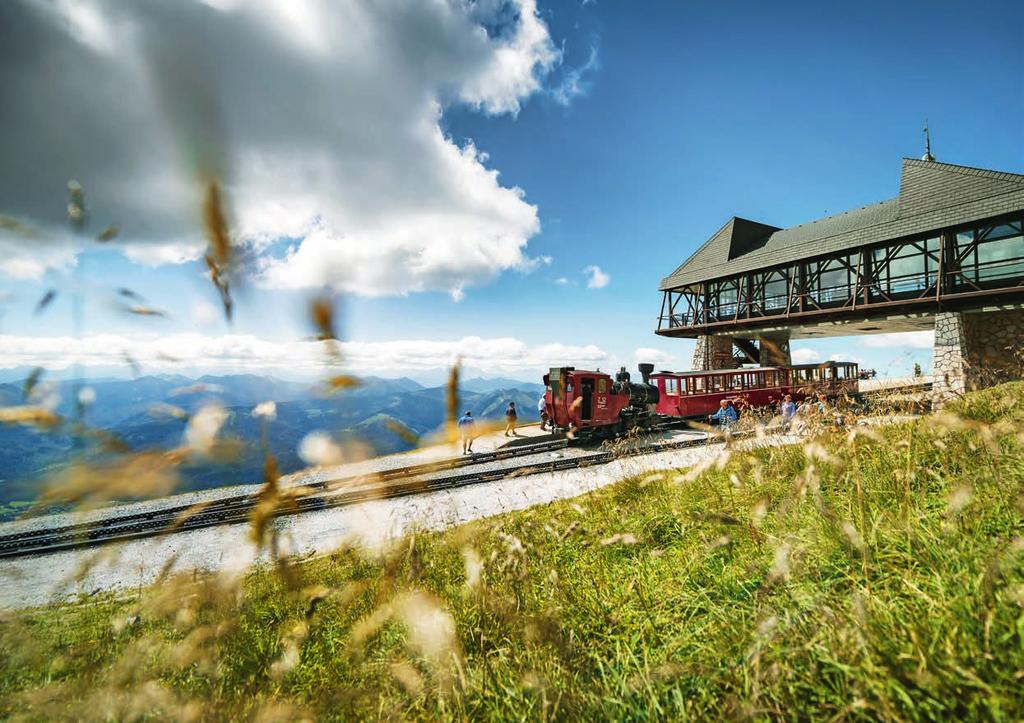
[(713, 352), (775, 350), (949, 371), (976, 350)]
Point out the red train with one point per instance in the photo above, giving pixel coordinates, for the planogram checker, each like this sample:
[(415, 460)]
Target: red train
[(593, 404)]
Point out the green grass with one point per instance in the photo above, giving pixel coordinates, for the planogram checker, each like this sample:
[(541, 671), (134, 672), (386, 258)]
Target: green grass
[(874, 577)]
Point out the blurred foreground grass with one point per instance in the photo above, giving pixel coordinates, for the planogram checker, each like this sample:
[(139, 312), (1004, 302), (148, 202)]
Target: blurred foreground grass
[(872, 575)]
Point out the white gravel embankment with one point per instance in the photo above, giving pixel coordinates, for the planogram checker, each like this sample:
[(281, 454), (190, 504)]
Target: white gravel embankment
[(35, 580)]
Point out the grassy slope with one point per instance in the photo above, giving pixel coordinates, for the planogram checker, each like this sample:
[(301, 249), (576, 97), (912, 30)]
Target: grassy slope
[(866, 578)]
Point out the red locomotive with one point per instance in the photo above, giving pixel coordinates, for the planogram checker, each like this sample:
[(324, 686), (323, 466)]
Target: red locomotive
[(593, 404)]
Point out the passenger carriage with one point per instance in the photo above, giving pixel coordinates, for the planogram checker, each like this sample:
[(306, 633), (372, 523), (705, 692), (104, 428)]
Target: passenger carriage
[(699, 393), (593, 404)]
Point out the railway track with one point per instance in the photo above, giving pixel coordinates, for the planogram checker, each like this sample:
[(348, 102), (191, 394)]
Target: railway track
[(237, 510), (12, 544), (385, 484)]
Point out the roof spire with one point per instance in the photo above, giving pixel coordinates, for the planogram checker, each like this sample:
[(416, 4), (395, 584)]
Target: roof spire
[(927, 144)]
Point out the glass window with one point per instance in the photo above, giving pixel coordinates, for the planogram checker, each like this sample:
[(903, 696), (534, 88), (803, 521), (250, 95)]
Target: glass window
[(1002, 231), (698, 384), (602, 386), (908, 267), (1001, 258), (671, 386), (833, 282), (997, 256), (776, 291), (723, 297)]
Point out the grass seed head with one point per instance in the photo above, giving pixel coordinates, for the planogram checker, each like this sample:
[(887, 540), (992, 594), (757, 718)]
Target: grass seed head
[(265, 410), (203, 428), (319, 450)]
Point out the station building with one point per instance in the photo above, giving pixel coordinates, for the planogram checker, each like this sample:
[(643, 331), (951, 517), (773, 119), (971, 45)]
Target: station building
[(947, 253)]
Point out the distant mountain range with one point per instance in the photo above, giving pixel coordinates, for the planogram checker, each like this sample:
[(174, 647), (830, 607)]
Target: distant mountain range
[(130, 410)]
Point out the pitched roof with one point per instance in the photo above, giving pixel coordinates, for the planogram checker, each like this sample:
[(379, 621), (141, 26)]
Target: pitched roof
[(932, 195)]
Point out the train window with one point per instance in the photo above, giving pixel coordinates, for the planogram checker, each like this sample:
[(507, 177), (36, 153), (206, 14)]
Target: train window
[(698, 384), (568, 388), (671, 386), (602, 386)]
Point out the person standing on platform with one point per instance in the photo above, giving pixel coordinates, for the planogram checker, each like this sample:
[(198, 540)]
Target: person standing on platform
[(788, 411), (466, 423), (510, 420), (542, 410)]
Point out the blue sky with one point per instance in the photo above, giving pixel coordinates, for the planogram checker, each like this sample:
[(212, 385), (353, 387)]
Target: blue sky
[(641, 128)]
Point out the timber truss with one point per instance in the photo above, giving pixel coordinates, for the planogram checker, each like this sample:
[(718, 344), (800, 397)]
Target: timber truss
[(951, 269)]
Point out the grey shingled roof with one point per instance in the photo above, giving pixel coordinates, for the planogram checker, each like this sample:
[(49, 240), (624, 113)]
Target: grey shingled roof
[(932, 195)]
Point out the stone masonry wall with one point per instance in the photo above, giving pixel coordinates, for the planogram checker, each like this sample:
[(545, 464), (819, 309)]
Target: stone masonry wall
[(713, 352), (978, 350)]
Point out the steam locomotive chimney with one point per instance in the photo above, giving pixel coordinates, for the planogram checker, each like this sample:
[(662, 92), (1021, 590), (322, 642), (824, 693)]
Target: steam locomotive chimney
[(645, 372)]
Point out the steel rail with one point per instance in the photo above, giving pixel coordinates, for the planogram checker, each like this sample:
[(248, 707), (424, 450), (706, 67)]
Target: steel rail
[(67, 539), (237, 509), (170, 514)]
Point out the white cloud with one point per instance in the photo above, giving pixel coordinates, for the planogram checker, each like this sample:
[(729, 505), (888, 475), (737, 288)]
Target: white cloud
[(597, 278), (562, 281), (660, 359), (804, 356), (844, 357), (204, 313), (243, 352), (575, 83), (912, 339), (320, 117), (27, 258)]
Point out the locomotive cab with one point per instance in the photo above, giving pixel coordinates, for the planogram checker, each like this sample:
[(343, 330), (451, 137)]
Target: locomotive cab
[(590, 404)]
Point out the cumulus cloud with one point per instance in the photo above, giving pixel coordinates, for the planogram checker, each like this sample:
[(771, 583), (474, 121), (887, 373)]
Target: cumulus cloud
[(657, 357), (596, 278), (321, 119), (243, 352), (805, 356), (911, 339), (844, 357)]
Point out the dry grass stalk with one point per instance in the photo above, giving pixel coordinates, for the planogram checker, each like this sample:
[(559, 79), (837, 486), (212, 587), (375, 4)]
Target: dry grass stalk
[(30, 416)]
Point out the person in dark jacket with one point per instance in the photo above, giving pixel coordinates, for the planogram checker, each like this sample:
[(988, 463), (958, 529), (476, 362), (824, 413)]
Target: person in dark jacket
[(510, 420)]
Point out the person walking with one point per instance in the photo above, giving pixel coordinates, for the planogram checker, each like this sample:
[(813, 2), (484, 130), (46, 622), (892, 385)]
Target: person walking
[(725, 416), (510, 420), (542, 411), (466, 423), (788, 411)]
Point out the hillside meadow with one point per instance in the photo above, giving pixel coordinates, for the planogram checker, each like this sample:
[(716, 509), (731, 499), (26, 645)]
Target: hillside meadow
[(866, 574)]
